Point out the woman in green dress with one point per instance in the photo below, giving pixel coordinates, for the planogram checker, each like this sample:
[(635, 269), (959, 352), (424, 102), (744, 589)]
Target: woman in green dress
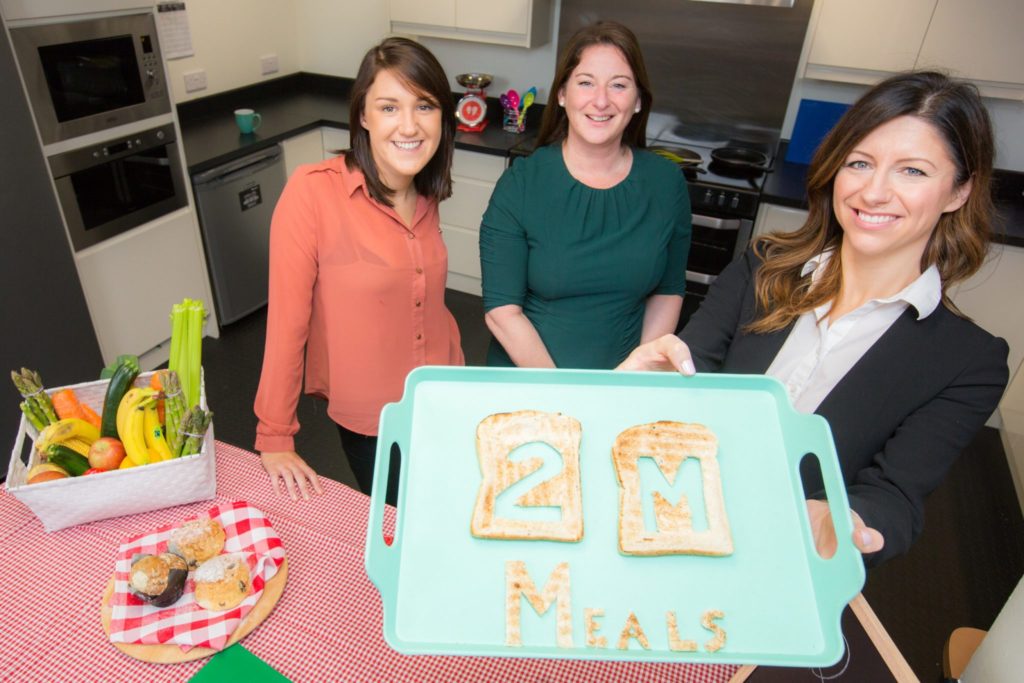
[(583, 246)]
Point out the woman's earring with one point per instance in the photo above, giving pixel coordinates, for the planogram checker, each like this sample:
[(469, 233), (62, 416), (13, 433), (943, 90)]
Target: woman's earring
[(561, 103), (637, 110)]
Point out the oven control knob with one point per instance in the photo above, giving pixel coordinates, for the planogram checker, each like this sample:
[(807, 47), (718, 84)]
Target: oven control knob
[(138, 141), (707, 196), (159, 135), (734, 202), (96, 155), (721, 199)]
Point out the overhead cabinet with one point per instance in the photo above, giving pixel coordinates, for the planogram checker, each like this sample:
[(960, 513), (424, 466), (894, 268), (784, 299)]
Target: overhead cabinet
[(522, 23), (864, 41)]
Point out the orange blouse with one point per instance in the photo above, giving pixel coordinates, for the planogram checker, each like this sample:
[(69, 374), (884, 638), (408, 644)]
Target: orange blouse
[(356, 298)]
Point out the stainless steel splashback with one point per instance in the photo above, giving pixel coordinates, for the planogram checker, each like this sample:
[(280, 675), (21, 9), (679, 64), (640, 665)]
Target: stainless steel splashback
[(721, 73)]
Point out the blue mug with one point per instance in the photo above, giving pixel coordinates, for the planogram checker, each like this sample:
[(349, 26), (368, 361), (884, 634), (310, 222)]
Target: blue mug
[(247, 120)]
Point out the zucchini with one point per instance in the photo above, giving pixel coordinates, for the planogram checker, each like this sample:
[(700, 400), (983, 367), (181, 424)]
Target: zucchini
[(60, 455), (120, 383)]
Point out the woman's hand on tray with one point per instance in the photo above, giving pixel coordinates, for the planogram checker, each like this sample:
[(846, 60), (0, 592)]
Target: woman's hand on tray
[(288, 467), (866, 539), (664, 354)]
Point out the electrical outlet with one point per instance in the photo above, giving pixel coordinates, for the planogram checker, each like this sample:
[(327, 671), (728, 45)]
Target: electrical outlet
[(269, 65), (195, 80)]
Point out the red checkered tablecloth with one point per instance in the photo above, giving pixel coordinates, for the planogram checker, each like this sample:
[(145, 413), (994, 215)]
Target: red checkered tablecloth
[(328, 625)]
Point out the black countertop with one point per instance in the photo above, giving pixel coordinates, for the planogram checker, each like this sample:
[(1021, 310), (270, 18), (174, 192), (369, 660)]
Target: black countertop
[(292, 105), (786, 185)]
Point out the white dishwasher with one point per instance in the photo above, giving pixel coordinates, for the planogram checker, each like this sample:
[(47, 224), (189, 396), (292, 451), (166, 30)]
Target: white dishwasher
[(236, 202)]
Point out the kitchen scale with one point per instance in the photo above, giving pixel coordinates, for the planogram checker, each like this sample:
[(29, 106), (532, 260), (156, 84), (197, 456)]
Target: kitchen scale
[(471, 111)]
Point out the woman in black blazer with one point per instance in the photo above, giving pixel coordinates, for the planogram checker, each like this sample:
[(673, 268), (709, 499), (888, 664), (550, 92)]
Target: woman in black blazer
[(851, 312)]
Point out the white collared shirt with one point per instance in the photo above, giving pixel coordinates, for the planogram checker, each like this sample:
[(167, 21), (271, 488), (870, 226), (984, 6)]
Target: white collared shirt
[(817, 354)]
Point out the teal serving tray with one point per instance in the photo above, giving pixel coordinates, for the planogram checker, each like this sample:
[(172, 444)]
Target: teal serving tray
[(443, 590)]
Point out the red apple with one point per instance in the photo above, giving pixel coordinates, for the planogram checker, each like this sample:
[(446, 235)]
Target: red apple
[(93, 470), (106, 453)]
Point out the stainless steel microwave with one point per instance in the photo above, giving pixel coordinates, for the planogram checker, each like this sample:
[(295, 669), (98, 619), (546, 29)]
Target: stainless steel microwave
[(93, 74)]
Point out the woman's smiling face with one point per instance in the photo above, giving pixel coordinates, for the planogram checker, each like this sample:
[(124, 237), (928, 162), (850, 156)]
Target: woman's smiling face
[(404, 129), (600, 97), (893, 187)]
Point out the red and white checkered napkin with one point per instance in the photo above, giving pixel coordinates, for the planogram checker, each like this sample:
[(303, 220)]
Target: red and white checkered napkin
[(185, 623)]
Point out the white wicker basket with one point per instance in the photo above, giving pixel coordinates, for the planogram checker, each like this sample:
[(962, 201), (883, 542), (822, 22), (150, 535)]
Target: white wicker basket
[(66, 502)]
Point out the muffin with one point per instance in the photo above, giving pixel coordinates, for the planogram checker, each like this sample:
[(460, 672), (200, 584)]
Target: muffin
[(197, 541), (222, 582), (158, 579)]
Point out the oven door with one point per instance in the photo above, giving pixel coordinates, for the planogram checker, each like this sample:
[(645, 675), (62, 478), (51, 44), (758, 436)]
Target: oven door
[(108, 189), (714, 243)]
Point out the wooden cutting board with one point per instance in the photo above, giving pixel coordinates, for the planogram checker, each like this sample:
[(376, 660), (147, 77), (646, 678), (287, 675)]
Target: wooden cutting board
[(173, 654)]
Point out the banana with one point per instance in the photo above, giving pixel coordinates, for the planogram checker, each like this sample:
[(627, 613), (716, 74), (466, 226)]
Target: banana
[(154, 437), (128, 401), (134, 437), (65, 429), (78, 445)]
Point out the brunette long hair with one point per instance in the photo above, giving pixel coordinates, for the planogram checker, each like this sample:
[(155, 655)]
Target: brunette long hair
[(419, 70), (554, 125), (959, 242)]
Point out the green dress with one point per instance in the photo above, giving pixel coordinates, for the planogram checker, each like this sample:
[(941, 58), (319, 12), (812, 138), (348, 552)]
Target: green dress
[(582, 262)]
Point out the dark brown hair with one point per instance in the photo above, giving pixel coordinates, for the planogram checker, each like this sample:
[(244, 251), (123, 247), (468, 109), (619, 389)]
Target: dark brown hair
[(420, 71), (554, 124), (959, 242)]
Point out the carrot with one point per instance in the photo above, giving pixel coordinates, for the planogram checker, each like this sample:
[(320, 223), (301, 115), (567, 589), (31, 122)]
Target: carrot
[(157, 382), (90, 415), (66, 404)]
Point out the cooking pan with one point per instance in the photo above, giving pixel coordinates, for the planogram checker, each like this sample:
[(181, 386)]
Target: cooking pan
[(685, 158), (741, 158)]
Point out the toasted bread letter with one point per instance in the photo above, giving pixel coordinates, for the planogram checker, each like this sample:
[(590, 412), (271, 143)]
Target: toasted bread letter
[(519, 584), (669, 444), (496, 437)]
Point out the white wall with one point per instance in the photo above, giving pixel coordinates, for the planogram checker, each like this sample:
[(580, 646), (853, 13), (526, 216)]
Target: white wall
[(333, 35), (230, 36)]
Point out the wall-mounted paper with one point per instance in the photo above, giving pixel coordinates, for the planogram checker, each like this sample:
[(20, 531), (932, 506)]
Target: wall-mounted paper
[(172, 26)]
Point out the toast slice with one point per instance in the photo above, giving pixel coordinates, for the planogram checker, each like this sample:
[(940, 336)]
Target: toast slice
[(669, 444), (496, 437)]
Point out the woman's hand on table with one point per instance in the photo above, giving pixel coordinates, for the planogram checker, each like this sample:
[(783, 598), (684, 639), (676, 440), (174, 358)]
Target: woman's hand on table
[(288, 467), (665, 354), (866, 539)]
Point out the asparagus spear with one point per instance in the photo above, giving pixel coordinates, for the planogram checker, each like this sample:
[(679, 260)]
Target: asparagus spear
[(37, 421), (30, 384), (174, 407), (193, 429)]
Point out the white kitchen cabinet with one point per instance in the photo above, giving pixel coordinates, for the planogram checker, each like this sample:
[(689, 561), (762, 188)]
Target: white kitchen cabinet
[(776, 218), (334, 140), (522, 23), (980, 41), (305, 148), (131, 281), (474, 176), (864, 41), (874, 35)]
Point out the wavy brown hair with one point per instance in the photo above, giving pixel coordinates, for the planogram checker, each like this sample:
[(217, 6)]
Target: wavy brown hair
[(554, 125), (419, 70), (959, 242)]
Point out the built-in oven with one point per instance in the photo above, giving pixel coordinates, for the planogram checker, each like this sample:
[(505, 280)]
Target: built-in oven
[(91, 75), (723, 204), (109, 188)]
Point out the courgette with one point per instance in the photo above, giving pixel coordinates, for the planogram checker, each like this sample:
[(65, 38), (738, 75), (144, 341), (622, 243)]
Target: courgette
[(120, 383), (60, 455)]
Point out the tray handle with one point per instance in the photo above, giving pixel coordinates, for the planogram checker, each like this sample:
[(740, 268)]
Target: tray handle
[(838, 579), (382, 558)]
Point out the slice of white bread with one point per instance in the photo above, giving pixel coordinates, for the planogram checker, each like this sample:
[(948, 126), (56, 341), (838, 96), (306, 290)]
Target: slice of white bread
[(669, 444), (496, 437)]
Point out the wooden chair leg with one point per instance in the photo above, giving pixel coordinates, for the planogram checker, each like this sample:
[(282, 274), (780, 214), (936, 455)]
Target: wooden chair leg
[(960, 645)]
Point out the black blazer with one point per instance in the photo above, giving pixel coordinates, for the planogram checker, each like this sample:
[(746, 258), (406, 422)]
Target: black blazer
[(899, 417)]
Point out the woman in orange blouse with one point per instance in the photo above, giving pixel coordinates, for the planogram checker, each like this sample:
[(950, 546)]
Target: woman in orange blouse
[(358, 268)]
